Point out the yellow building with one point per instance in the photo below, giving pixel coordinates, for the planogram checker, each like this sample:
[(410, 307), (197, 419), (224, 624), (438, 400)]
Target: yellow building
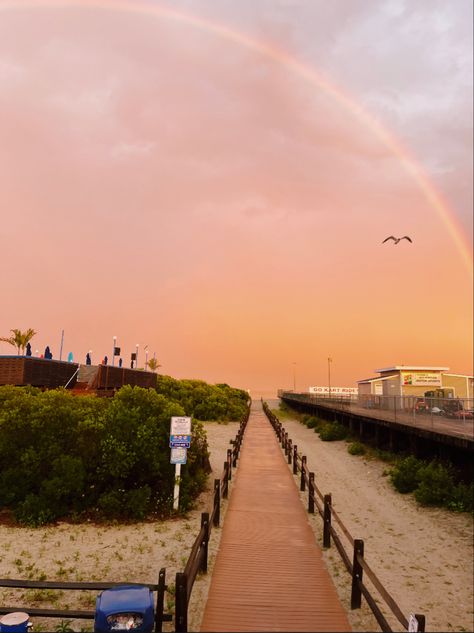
[(410, 380)]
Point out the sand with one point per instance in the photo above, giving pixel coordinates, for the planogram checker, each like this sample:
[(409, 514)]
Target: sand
[(422, 556)]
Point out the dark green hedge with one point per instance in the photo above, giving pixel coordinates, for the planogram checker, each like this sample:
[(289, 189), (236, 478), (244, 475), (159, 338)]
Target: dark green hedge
[(66, 456)]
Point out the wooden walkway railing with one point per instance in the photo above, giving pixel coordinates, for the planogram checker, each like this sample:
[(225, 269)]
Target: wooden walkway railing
[(356, 564), (197, 561)]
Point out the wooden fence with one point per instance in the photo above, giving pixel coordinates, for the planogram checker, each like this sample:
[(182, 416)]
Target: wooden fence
[(70, 614), (354, 562), (197, 561)]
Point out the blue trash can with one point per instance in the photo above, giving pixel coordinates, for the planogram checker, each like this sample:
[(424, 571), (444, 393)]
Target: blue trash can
[(16, 622), (125, 608)]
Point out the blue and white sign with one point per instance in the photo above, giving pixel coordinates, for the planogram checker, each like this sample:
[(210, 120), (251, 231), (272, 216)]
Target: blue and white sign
[(178, 456), (180, 441)]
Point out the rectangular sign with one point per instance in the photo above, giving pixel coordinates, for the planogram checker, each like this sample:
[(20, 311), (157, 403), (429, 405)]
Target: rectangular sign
[(421, 379), (180, 426), (183, 441), (339, 391), (178, 455)]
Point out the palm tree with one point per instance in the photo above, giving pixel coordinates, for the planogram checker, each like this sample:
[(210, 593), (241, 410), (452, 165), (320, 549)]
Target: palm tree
[(153, 364), (19, 339)]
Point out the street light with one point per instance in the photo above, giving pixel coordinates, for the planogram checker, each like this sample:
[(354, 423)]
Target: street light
[(136, 357), (146, 358), (329, 375), (113, 351)]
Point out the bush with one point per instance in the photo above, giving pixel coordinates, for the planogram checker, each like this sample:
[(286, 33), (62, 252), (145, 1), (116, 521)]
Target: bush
[(313, 422), (356, 448), (330, 432), (404, 475), (462, 498), (435, 485), (64, 456)]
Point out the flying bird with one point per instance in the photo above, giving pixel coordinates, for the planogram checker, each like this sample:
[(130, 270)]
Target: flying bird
[(397, 239)]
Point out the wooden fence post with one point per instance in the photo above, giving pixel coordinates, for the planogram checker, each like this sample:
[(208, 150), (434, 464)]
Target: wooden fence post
[(205, 540), (225, 492), (311, 493), (217, 502), (421, 622), (295, 459), (303, 468), (181, 605), (327, 521), (357, 574), (160, 598), (229, 461), (290, 451)]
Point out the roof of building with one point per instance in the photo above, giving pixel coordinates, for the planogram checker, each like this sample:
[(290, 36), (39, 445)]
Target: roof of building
[(376, 379), (411, 368)]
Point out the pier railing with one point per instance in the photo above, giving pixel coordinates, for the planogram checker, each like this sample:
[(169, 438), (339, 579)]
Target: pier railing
[(354, 560)]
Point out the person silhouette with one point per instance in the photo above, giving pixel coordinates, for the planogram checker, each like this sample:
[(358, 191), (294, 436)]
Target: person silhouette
[(28, 349), (106, 360), (88, 359), (120, 362), (47, 352)]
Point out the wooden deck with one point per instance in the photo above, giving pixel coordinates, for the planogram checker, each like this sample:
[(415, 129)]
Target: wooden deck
[(269, 573)]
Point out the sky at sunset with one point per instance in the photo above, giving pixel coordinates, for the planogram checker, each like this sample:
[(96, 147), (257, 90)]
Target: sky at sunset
[(214, 179)]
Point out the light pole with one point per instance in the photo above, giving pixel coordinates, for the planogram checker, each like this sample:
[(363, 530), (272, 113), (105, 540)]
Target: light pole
[(146, 358), (136, 356), (329, 375), (113, 351), (294, 377)]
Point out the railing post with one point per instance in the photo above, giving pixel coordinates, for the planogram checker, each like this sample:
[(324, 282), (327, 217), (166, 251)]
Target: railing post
[(327, 521), (421, 622), (217, 502), (205, 540), (295, 459), (290, 451), (181, 605), (311, 493), (229, 461), (303, 468), (282, 438), (160, 598), (357, 573), (226, 480)]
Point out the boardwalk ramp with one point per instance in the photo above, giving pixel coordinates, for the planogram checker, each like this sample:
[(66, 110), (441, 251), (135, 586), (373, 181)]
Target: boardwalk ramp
[(269, 573)]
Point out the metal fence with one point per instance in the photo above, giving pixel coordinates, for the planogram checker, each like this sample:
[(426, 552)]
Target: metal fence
[(454, 416)]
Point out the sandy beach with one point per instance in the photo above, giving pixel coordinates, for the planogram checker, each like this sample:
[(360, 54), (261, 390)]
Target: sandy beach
[(423, 556)]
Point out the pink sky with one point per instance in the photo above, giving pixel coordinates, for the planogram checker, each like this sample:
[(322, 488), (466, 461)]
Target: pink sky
[(178, 190)]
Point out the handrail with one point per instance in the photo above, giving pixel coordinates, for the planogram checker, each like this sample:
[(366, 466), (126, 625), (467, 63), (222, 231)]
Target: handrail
[(359, 563), (197, 560)]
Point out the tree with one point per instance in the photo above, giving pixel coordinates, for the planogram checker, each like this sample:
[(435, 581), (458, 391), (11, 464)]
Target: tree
[(153, 364), (19, 339)]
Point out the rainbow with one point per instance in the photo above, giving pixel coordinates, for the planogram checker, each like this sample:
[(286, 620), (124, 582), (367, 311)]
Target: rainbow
[(305, 72)]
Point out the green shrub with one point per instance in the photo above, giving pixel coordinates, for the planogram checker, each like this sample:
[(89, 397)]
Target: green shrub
[(404, 475), (332, 431), (312, 422), (435, 485), (356, 448), (462, 498)]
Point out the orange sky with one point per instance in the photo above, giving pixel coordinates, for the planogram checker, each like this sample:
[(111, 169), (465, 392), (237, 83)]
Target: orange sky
[(178, 190)]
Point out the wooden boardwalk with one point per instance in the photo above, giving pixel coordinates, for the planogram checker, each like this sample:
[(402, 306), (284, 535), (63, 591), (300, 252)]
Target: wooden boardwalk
[(269, 573)]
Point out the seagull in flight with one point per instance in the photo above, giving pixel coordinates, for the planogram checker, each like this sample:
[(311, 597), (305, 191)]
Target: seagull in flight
[(397, 239)]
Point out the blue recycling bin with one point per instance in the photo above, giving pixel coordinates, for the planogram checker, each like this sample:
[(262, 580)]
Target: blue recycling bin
[(16, 622), (125, 608)]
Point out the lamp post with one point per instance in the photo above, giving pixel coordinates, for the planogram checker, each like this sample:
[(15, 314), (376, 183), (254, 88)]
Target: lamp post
[(329, 375), (136, 357), (146, 358), (113, 351), (294, 377)]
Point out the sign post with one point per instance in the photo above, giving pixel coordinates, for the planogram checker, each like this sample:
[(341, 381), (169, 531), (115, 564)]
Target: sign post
[(180, 441)]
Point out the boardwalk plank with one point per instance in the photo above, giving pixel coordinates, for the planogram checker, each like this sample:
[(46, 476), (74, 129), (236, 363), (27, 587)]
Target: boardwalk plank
[(269, 573)]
